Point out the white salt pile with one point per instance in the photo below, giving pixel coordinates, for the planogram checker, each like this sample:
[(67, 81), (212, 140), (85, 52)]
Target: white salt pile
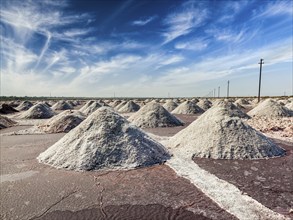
[(63, 122), (6, 122), (105, 140), (231, 109), (270, 108), (115, 103), (129, 107), (61, 105), (204, 104), (170, 105), (93, 107), (289, 106), (154, 115), (242, 102), (187, 107), (122, 103), (38, 111), (25, 105), (217, 135), (86, 105)]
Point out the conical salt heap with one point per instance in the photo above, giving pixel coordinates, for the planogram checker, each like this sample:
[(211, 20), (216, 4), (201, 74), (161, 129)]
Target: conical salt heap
[(61, 105), (232, 109), (6, 122), (122, 103), (242, 102), (154, 115), (115, 103), (25, 105), (86, 105), (270, 109), (187, 107), (63, 122), (129, 107), (105, 140), (215, 134), (38, 111), (289, 106), (170, 105), (204, 104), (92, 108)]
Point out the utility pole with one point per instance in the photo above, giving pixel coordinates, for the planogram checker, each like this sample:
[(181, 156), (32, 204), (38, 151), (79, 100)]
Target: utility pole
[(219, 91), (228, 89), (259, 85), (214, 93)]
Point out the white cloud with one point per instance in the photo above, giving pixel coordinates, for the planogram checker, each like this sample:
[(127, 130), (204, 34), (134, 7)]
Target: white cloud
[(195, 44), (143, 22), (172, 60), (183, 22), (274, 8)]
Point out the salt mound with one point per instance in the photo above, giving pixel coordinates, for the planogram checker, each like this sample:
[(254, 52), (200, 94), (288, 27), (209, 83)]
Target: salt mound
[(170, 105), (7, 109), (231, 109), (289, 106), (25, 105), (187, 107), (129, 107), (242, 102), (120, 105), (38, 111), (63, 122), (86, 105), (62, 105), (93, 107), (270, 108), (115, 103), (105, 140), (6, 122), (204, 104), (217, 135), (154, 115)]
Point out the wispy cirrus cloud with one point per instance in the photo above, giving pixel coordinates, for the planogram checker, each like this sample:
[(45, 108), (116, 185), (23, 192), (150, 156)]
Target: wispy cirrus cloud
[(184, 21), (143, 22), (197, 44), (280, 7)]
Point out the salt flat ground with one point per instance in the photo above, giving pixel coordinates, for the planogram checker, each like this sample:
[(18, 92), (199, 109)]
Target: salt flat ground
[(30, 190)]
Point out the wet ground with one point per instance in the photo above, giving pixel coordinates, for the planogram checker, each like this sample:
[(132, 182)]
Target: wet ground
[(30, 190)]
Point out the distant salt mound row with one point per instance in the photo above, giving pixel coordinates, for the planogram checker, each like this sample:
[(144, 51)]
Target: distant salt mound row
[(38, 111), (61, 105), (217, 135), (25, 105), (105, 140), (154, 115), (270, 108), (187, 107), (63, 122), (170, 105), (86, 105), (242, 102), (204, 104), (231, 109), (92, 108), (7, 109), (129, 107), (6, 122)]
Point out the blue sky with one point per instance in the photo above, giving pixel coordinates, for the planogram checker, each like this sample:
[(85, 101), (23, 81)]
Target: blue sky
[(144, 48)]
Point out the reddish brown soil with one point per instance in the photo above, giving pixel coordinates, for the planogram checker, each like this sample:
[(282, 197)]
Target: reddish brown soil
[(268, 181), (130, 212), (31, 190)]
